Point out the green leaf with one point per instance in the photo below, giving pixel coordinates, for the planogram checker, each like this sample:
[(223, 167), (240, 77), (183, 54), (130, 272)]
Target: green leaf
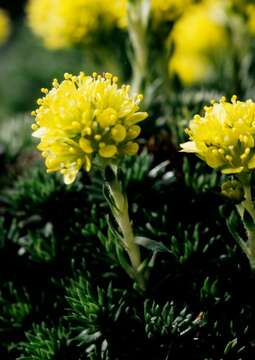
[(86, 338), (150, 244), (232, 223), (248, 221), (230, 345)]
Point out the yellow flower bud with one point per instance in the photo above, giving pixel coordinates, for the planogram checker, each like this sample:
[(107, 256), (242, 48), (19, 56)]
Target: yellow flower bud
[(131, 148), (107, 117), (108, 151), (233, 190), (118, 133), (133, 132)]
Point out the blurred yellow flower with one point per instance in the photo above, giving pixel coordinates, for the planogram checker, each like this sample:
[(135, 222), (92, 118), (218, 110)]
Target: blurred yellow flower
[(4, 26), (84, 118), (63, 23), (250, 12), (225, 137), (167, 10), (201, 27), (197, 35), (191, 67)]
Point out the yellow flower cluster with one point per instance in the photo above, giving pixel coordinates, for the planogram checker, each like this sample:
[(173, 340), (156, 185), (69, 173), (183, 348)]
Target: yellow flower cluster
[(84, 118), (4, 26), (63, 23), (225, 137), (200, 32), (167, 10)]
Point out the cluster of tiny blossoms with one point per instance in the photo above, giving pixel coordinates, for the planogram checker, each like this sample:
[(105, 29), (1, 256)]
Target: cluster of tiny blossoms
[(64, 23), (4, 26), (84, 118), (197, 35), (225, 136)]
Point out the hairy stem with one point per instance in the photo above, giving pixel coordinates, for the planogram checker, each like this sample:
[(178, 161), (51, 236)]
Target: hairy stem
[(248, 205), (138, 17), (121, 215)]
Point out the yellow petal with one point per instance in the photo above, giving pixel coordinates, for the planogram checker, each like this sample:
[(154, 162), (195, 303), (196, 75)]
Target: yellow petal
[(52, 164), (236, 170), (69, 176), (189, 147), (39, 132), (87, 164), (108, 151), (86, 145), (135, 118)]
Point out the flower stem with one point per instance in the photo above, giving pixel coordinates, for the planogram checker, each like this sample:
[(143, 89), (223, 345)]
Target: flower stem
[(121, 215), (138, 17), (248, 205)]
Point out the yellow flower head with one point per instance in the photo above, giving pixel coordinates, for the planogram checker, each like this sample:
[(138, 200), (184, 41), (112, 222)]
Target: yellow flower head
[(63, 23), (167, 10), (86, 118), (225, 136), (190, 68), (201, 28), (198, 36), (4, 26)]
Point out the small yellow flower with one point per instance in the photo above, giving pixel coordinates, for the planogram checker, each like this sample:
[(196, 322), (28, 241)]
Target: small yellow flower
[(225, 136), (63, 23), (4, 26), (84, 118), (233, 190)]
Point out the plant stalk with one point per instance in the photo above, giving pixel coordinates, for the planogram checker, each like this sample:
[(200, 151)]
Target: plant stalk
[(248, 205), (138, 18), (121, 215)]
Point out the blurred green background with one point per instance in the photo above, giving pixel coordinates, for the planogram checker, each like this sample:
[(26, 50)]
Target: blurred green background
[(26, 65)]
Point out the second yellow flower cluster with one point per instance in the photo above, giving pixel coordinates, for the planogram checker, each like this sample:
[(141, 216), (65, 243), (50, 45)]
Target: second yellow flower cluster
[(198, 36), (225, 136)]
